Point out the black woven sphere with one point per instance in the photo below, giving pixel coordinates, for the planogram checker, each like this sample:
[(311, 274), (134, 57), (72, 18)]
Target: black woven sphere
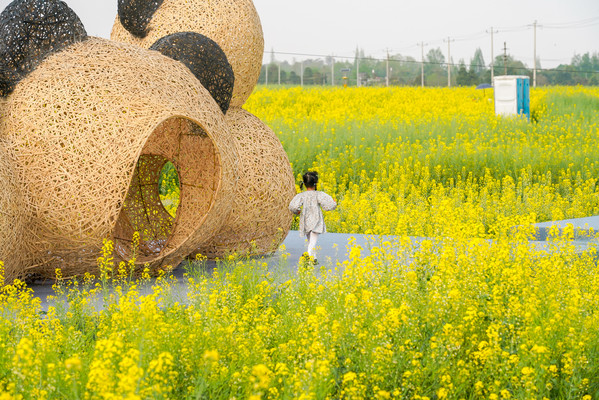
[(205, 59), (31, 30), (135, 15)]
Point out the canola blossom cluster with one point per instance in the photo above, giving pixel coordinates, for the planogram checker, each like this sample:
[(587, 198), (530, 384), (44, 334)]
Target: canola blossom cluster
[(466, 308), (402, 161), (445, 319)]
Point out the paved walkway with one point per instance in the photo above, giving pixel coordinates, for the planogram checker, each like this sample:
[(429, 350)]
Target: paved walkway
[(579, 224), (333, 249)]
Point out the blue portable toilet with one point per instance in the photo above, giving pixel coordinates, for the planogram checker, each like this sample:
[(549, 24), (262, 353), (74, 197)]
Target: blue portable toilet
[(512, 95)]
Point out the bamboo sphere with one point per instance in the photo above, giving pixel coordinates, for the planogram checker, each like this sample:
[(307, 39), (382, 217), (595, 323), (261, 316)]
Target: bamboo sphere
[(12, 220), (234, 25), (87, 131), (30, 30), (260, 218)]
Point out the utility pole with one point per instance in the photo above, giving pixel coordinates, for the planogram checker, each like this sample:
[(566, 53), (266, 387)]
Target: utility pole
[(387, 76), (267, 74), (449, 40), (302, 74), (332, 71), (492, 57), (504, 59), (358, 69), (279, 73), (422, 64), (534, 62)]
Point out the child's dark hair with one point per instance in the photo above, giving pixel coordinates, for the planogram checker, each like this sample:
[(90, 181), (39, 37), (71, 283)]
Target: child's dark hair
[(310, 180)]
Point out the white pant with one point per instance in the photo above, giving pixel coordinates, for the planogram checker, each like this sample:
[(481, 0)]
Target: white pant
[(312, 238)]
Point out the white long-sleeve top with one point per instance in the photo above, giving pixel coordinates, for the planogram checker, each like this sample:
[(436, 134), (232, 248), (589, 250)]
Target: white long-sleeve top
[(310, 203)]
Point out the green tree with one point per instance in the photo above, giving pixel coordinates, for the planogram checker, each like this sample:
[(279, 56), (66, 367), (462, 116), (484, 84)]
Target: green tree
[(273, 74), (434, 69), (584, 64), (308, 76), (435, 59), (367, 64), (563, 75), (478, 72), (513, 66), (477, 63), (463, 79), (473, 78), (294, 79), (317, 78), (407, 70)]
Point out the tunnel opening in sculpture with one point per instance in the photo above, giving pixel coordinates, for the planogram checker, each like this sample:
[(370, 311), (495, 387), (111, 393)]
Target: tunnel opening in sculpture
[(169, 188), (186, 146)]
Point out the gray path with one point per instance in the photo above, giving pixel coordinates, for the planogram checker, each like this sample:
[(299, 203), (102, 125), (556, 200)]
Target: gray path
[(332, 247), (579, 224), (333, 250)]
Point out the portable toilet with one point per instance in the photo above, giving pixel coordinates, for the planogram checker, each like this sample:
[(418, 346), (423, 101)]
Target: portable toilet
[(512, 95)]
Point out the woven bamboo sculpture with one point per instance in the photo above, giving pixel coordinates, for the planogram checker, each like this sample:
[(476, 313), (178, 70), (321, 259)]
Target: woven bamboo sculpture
[(233, 25), (89, 130), (260, 219), (87, 125), (30, 30), (205, 59), (12, 218)]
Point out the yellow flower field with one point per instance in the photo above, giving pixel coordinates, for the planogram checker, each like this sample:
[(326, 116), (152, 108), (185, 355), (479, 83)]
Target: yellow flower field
[(401, 160), (472, 312)]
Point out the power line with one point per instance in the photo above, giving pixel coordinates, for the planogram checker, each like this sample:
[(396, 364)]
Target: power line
[(472, 36), (514, 29), (584, 23), (414, 61), (521, 28), (592, 21)]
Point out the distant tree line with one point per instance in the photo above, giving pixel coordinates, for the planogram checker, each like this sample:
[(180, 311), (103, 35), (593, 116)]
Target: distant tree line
[(407, 71)]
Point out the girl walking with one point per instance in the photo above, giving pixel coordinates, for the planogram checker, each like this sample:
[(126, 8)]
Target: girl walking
[(309, 204)]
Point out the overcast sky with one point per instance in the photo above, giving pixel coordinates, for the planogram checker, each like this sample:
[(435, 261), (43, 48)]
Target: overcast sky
[(331, 27)]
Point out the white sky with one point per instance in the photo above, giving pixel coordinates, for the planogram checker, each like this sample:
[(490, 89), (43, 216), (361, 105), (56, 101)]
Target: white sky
[(332, 27)]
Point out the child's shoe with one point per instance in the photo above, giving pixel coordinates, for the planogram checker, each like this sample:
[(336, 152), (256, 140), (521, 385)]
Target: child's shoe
[(307, 260), (304, 260)]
